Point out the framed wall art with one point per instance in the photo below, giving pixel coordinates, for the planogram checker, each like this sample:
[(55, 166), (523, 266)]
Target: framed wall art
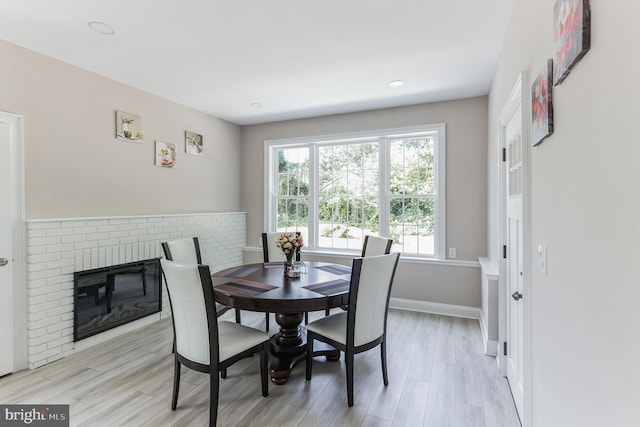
[(129, 127), (542, 105), (165, 154), (571, 36), (193, 143)]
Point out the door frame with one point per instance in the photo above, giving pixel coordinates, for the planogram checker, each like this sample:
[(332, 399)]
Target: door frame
[(17, 188), (520, 96)]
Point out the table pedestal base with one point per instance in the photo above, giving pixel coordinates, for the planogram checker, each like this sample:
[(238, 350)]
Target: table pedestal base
[(288, 347)]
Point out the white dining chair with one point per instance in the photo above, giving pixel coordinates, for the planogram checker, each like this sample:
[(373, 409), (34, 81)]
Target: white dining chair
[(204, 343), (364, 325)]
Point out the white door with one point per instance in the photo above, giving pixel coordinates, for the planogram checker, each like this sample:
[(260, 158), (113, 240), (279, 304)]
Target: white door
[(8, 188), (514, 255)]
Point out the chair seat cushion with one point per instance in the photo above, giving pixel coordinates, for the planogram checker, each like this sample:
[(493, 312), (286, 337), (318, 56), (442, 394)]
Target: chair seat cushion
[(333, 327), (235, 338)]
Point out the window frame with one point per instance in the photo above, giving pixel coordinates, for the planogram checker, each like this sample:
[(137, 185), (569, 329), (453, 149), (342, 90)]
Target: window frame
[(381, 135)]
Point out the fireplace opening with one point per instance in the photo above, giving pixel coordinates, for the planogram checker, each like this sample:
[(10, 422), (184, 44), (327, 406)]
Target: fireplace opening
[(104, 298)]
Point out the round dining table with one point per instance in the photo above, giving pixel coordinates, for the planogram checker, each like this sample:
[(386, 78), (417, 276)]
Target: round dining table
[(263, 287)]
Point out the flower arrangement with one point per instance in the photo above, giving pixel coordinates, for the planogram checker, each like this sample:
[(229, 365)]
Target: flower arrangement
[(289, 244)]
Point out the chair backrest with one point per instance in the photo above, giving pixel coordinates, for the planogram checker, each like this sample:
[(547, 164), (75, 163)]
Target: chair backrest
[(183, 251), (195, 324), (371, 280), (374, 245), (270, 251)]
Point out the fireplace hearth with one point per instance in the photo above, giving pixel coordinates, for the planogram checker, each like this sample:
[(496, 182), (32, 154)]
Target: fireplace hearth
[(112, 296)]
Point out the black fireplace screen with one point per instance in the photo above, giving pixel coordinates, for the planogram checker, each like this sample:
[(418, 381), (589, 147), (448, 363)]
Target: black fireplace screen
[(112, 296)]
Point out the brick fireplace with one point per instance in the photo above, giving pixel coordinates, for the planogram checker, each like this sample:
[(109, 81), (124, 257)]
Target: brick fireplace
[(57, 248)]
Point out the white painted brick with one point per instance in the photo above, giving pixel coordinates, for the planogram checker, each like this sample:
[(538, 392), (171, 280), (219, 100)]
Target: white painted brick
[(35, 250), (60, 295), (60, 326), (40, 266), (127, 227), (40, 303), (39, 241), (128, 240), (59, 248), (60, 310), (35, 275), (41, 290), (118, 234), (59, 231), (118, 221), (63, 278), (73, 224), (109, 242), (45, 339), (36, 233), (97, 236), (43, 225), (35, 333), (86, 245), (59, 342), (145, 226), (36, 349), (73, 238), (67, 270), (68, 347), (138, 220), (107, 228), (42, 323), (61, 263), (97, 222)]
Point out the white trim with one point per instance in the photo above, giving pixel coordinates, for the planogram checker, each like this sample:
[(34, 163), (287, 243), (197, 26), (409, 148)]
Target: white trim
[(520, 95), (489, 269), (380, 135), (435, 308), (490, 346), (403, 259), (92, 218), (16, 149)]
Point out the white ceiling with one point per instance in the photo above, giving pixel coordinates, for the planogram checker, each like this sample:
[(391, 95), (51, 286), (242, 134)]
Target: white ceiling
[(298, 58)]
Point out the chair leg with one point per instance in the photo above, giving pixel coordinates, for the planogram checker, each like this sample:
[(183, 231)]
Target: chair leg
[(383, 357), (266, 322), (214, 385), (306, 318), (223, 374), (264, 356), (327, 312), (176, 383), (309, 360), (348, 357), (238, 316)]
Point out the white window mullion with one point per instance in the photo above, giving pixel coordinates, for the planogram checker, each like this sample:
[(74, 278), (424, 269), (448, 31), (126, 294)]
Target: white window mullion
[(384, 171), (314, 179)]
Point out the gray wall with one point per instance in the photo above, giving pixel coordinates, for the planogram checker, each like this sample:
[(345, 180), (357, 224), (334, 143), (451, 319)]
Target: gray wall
[(466, 129), (74, 165), (585, 208)]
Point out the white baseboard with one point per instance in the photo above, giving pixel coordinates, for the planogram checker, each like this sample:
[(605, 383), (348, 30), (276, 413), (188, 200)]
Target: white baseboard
[(435, 308)]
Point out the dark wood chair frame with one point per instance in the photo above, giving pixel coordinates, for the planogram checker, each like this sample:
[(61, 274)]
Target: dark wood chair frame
[(350, 350), (366, 240), (196, 243), (215, 366)]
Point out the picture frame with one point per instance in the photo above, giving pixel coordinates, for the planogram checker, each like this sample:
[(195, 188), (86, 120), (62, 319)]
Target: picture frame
[(193, 143), (129, 127), (165, 154), (571, 36), (542, 104)]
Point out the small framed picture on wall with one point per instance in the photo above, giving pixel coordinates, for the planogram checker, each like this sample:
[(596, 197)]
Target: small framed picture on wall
[(542, 105)]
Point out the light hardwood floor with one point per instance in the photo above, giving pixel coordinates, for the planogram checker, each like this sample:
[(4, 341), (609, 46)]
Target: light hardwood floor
[(438, 376)]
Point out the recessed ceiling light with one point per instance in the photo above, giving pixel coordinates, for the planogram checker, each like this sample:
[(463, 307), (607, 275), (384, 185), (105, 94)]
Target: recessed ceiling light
[(256, 105), (102, 28), (396, 83)]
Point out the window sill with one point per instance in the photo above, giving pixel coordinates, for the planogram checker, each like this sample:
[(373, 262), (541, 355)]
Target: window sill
[(403, 258)]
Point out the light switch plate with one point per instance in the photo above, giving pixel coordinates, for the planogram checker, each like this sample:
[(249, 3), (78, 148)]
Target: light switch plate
[(452, 252), (542, 259)]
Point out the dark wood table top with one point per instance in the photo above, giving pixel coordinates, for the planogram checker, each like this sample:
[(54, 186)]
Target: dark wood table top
[(263, 287)]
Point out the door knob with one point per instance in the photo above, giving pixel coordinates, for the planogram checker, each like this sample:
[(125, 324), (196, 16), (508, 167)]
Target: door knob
[(3, 262), (516, 295)]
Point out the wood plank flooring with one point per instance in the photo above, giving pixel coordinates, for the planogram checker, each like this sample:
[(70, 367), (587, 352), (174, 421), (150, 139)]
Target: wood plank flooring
[(438, 377)]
